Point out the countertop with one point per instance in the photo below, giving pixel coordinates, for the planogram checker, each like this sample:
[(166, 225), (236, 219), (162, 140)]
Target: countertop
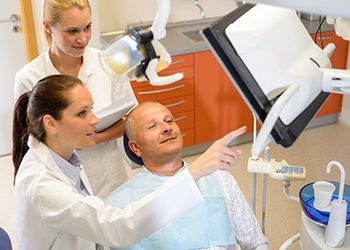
[(177, 43)]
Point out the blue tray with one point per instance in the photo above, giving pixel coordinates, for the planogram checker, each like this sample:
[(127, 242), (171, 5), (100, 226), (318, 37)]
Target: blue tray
[(306, 196)]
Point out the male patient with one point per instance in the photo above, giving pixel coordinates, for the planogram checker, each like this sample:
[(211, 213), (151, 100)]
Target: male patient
[(223, 220)]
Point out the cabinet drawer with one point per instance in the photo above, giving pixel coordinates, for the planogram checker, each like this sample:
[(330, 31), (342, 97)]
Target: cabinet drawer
[(188, 137), (185, 120), (187, 71), (183, 87), (179, 104), (181, 61)]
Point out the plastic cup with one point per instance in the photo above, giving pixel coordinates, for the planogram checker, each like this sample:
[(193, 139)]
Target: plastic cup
[(323, 192)]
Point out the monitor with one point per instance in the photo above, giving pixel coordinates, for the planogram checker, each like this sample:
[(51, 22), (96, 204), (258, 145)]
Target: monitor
[(265, 49)]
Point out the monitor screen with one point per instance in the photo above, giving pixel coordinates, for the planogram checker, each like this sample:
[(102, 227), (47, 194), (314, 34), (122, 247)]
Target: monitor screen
[(244, 42)]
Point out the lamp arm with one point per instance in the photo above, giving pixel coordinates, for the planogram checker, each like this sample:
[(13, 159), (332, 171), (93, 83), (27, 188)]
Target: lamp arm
[(155, 79), (161, 19)]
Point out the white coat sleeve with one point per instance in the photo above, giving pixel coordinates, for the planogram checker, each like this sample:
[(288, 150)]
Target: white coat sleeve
[(90, 218)]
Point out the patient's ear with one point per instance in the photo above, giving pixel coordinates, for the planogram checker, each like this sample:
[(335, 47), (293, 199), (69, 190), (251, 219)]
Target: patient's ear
[(134, 146)]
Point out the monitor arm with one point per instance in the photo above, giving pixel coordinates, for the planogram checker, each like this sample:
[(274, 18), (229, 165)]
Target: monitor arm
[(263, 137)]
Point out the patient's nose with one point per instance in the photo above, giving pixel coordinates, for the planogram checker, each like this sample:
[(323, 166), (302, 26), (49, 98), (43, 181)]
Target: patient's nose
[(166, 128)]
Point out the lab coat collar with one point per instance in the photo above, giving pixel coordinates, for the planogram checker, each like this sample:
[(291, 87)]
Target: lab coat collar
[(49, 65), (85, 71), (42, 151), (87, 68), (43, 154)]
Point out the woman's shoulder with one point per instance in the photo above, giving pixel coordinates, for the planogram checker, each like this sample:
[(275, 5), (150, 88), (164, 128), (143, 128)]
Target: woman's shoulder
[(35, 65), (40, 59)]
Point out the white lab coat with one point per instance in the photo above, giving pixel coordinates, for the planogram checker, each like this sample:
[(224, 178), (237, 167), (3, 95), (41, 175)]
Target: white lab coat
[(50, 213), (104, 164)]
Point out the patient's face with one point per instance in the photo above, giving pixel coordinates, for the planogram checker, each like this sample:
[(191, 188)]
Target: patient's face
[(158, 135)]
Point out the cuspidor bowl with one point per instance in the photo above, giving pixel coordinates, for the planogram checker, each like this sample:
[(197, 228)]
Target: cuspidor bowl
[(307, 198)]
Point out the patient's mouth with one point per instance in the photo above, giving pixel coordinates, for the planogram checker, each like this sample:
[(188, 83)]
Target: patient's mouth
[(168, 139)]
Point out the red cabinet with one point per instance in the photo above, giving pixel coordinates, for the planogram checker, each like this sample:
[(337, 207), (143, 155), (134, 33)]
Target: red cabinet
[(219, 108)]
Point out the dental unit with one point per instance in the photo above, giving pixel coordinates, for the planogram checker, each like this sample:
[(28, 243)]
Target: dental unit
[(272, 61)]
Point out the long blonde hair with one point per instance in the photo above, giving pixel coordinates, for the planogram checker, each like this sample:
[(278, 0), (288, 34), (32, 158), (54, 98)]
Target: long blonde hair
[(52, 12)]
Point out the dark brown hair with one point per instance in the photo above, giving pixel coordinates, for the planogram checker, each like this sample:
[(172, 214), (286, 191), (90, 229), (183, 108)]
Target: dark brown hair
[(49, 96)]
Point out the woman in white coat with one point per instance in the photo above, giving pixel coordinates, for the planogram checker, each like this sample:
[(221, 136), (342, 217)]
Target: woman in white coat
[(67, 28), (53, 205)]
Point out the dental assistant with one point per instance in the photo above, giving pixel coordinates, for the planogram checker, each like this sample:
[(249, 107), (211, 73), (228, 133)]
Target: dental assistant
[(67, 28)]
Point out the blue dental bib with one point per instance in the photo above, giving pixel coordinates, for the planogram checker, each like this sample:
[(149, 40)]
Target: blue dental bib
[(203, 226)]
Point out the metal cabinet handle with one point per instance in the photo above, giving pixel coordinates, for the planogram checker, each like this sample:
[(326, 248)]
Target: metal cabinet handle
[(175, 104), (13, 18), (325, 37), (180, 118), (177, 62), (161, 90), (183, 135)]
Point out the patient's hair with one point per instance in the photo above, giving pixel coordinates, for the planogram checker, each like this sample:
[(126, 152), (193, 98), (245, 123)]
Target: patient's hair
[(129, 125)]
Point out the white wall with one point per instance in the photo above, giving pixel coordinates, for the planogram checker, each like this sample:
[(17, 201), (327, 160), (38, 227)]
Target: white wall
[(111, 15), (117, 14)]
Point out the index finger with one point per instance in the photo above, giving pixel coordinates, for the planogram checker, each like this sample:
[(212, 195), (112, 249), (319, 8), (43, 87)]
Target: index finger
[(227, 139)]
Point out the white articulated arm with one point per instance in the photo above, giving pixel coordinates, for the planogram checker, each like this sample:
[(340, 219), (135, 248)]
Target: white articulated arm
[(337, 8), (263, 137), (159, 32), (156, 80), (336, 81), (161, 19)]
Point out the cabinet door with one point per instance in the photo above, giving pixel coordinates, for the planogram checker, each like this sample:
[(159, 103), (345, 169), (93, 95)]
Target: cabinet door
[(338, 59), (219, 108)]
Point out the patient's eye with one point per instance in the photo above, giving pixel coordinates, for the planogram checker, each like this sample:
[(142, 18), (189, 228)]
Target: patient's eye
[(152, 125), (169, 120)]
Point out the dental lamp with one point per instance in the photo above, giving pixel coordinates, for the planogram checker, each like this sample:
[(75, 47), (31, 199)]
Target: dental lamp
[(138, 54)]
